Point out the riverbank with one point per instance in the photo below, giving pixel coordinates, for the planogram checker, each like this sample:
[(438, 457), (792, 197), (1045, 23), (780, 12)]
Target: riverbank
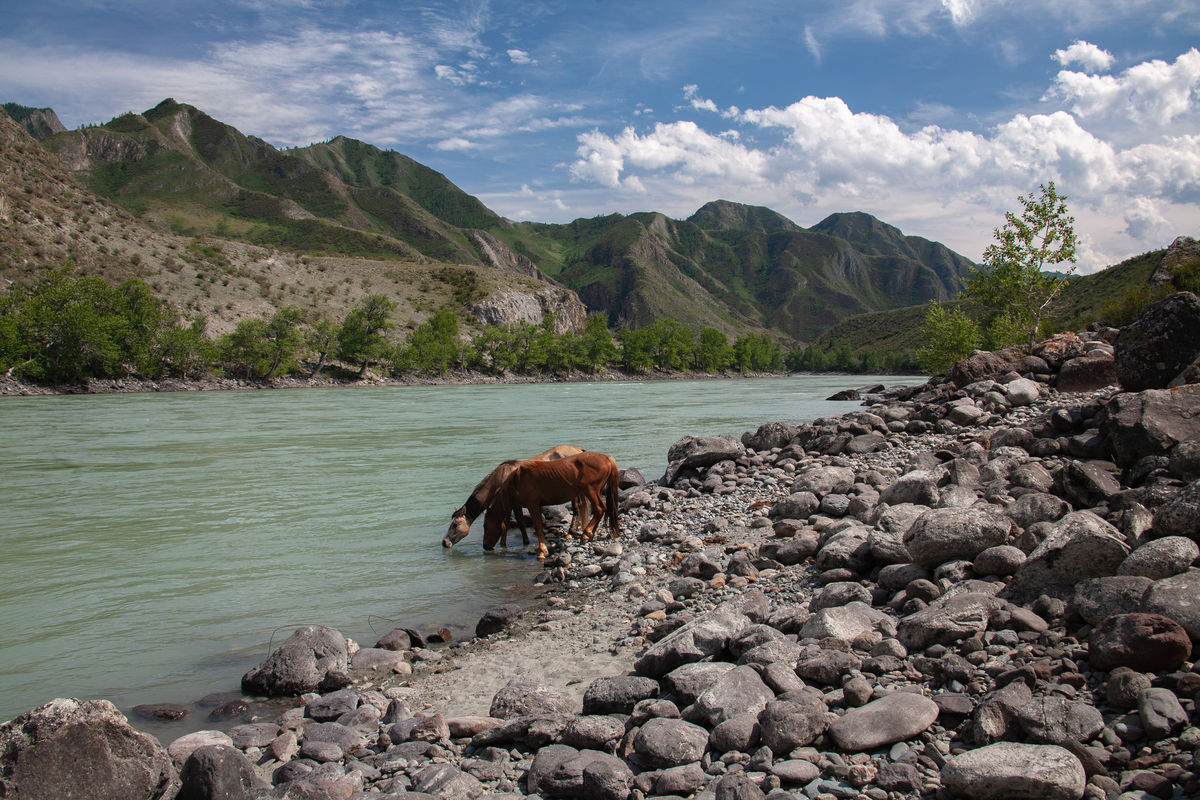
[(11, 387)]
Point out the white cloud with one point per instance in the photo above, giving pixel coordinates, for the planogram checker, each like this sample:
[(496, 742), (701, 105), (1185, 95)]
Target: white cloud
[(811, 43), (461, 75), (691, 93), (454, 143), (962, 12), (520, 57), (954, 183), (1087, 55), (1153, 92)]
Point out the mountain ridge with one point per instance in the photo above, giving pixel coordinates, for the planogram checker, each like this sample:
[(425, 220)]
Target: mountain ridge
[(735, 267)]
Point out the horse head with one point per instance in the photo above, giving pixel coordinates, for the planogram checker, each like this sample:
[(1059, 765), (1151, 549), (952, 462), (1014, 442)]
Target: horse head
[(459, 528)]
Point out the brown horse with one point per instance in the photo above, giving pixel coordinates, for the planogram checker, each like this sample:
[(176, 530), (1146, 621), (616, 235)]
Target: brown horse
[(533, 484), (482, 495)]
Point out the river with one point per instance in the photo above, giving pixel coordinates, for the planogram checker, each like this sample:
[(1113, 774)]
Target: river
[(155, 546)]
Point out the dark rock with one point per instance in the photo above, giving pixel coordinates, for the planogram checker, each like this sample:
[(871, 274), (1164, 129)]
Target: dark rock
[(827, 667), (982, 364), (594, 732), (1053, 719), (670, 742), (1150, 423), (1080, 546), (786, 724), (519, 698), (396, 639), (944, 534), (84, 751), (692, 452), (164, 712), (1099, 598), (1151, 352), (497, 618), (1180, 516), (605, 780), (1145, 642), (1087, 373), (739, 734), (739, 691), (1012, 771), (892, 718), (680, 781), (329, 707), (311, 659), (845, 394), (448, 783), (1178, 597), (1087, 484), (1161, 558), (618, 695), (737, 786), (948, 619), (216, 772)]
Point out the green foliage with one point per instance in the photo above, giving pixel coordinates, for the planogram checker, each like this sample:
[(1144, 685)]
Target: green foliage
[(948, 336), (320, 339), (1012, 281), (757, 353), (361, 338), (597, 347), (433, 347), (714, 353)]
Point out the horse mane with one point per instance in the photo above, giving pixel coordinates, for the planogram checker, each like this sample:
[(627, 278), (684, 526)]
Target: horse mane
[(485, 491)]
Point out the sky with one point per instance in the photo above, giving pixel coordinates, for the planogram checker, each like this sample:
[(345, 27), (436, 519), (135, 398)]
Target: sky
[(935, 116)]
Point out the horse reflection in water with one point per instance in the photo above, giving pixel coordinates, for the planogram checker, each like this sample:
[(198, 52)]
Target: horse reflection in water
[(483, 494), (532, 484)]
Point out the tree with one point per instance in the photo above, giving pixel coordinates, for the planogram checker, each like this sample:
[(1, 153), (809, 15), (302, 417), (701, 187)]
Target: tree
[(321, 338), (1012, 280), (714, 353), (283, 339), (596, 344), (361, 338), (948, 336), (434, 345)]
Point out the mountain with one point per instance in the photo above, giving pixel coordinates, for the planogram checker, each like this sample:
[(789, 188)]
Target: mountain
[(738, 268), (39, 122), (49, 219)]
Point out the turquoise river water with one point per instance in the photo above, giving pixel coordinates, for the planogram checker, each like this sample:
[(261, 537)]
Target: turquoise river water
[(155, 546)]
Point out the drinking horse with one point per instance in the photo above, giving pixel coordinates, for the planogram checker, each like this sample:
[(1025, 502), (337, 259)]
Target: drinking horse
[(533, 484), (482, 495)]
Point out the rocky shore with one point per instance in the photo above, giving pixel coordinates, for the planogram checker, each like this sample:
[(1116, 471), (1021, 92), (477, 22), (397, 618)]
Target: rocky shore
[(982, 587)]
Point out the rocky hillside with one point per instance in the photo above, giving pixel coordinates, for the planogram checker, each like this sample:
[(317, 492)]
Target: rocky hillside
[(737, 268), (51, 219)]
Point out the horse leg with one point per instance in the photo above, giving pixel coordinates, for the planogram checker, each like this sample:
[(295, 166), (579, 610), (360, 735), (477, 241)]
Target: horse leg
[(596, 514), (542, 550)]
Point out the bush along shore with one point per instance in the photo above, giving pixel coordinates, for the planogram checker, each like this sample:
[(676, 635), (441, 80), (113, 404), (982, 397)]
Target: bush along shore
[(982, 587)]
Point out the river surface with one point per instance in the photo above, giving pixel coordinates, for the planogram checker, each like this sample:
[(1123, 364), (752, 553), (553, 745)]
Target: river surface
[(153, 547)]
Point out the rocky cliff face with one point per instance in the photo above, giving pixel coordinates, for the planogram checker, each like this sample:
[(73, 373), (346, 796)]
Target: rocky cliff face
[(497, 254), (508, 306)]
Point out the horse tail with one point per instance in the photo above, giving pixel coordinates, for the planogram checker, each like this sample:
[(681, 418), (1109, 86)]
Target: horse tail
[(611, 512)]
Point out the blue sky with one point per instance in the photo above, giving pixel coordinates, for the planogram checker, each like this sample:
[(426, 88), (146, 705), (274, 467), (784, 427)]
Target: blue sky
[(933, 115)]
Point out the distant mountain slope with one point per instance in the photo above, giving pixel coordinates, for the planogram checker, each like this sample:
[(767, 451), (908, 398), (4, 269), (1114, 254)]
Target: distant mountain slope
[(738, 268), (735, 265), (39, 122)]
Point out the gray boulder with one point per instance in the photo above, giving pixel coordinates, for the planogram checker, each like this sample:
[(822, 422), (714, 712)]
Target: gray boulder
[(739, 691), (313, 658), (1154, 350), (1011, 771), (217, 772), (823, 480), (1036, 507), (695, 641), (770, 436), (1161, 558), (81, 750), (1096, 599), (919, 487), (1180, 516), (796, 721), (617, 695), (892, 718), (670, 742), (448, 783), (1054, 719), (946, 534), (1150, 423), (693, 452), (1080, 546), (1178, 597), (948, 619), (1087, 373), (519, 698)]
